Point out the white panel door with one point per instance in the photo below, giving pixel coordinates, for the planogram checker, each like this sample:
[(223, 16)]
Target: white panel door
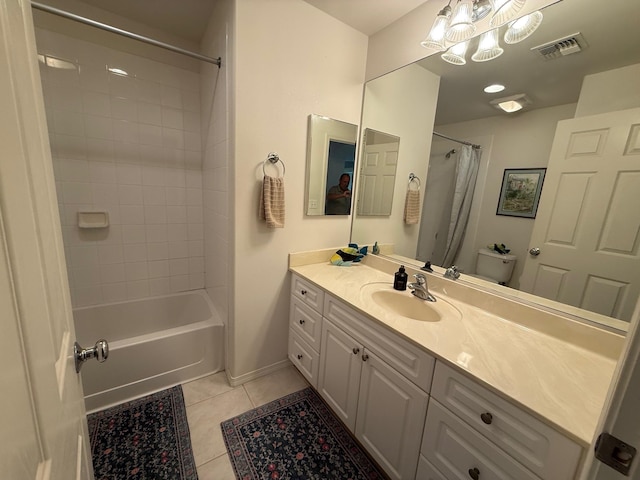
[(377, 179), (391, 414), (44, 429), (588, 222), (340, 367)]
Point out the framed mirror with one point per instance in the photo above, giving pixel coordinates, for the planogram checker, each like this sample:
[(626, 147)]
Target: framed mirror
[(377, 173), (592, 80), (331, 154)]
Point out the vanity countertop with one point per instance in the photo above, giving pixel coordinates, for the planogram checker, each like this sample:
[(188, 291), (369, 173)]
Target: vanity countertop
[(561, 382)]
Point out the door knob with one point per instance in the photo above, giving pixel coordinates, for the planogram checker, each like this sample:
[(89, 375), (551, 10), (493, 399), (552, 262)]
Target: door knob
[(534, 252), (100, 351)]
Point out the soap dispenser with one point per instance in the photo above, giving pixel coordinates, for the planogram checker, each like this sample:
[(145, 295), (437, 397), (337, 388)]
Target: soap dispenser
[(400, 279)]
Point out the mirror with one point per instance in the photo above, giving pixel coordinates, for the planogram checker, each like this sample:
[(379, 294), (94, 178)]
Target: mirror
[(331, 153), (609, 41), (377, 177)]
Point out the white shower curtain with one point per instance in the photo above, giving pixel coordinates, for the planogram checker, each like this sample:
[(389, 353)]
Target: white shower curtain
[(466, 174)]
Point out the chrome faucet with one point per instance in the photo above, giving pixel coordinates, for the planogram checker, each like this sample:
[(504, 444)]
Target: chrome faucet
[(452, 272), (419, 288)]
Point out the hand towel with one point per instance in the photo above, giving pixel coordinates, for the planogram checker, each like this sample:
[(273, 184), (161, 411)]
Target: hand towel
[(412, 207), (272, 201)]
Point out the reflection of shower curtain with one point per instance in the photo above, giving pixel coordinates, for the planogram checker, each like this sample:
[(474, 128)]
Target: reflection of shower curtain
[(466, 174)]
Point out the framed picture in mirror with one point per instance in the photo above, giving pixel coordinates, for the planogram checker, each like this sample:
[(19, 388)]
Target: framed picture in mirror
[(520, 192)]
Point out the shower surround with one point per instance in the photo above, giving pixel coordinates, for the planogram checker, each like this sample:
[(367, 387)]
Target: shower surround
[(129, 144)]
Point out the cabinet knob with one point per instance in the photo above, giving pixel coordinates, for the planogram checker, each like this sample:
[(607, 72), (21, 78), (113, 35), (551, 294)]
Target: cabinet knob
[(365, 357), (474, 473), (486, 418), (356, 350), (299, 357), (303, 292), (301, 321)]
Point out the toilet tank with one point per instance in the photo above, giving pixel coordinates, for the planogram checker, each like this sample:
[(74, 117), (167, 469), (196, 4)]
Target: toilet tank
[(495, 265)]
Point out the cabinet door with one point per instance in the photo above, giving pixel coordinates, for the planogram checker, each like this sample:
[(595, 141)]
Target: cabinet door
[(391, 414), (340, 367)]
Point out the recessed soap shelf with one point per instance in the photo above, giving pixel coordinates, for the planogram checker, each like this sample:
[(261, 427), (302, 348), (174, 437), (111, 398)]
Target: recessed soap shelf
[(93, 219)]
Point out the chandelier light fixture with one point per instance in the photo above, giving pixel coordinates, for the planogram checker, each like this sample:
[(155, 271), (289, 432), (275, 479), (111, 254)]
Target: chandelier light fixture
[(453, 28)]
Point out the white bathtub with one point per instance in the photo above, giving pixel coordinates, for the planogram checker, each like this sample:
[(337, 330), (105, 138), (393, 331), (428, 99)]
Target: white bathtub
[(154, 343)]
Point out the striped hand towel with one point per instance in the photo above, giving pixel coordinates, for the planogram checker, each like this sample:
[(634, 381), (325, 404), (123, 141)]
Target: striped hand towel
[(412, 207), (272, 201)]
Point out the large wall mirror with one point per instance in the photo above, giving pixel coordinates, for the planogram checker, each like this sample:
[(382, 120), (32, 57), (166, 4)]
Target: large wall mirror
[(331, 154), (609, 58)]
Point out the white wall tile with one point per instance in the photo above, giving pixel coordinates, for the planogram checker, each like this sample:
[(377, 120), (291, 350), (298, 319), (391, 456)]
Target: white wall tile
[(114, 292), (103, 172), (112, 273), (136, 271), (158, 268), (98, 127), (131, 214), (157, 251), (124, 109), (178, 250), (83, 256), (125, 131), (150, 113), (155, 214), (133, 234), (68, 123), (137, 289), (73, 170), (130, 194), (171, 97), (110, 254), (128, 174), (135, 252), (150, 134), (105, 194), (179, 283), (96, 103), (156, 233), (176, 195), (172, 118), (177, 214), (77, 193), (177, 232), (159, 286)]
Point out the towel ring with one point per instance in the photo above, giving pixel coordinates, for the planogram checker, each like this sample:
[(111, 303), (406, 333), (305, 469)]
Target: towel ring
[(273, 158), (412, 178)]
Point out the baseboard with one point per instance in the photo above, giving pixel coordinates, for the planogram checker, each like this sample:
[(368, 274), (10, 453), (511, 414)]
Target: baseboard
[(235, 381)]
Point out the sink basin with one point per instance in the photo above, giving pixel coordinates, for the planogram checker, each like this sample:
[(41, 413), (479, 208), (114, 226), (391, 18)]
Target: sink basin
[(404, 304), (410, 307)]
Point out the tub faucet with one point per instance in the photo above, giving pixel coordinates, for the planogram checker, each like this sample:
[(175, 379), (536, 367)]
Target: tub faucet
[(420, 289), (452, 272)]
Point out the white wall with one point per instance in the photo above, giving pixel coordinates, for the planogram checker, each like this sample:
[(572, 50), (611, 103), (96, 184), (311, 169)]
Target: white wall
[(402, 103), (291, 60), (131, 146), (520, 141), (610, 91)]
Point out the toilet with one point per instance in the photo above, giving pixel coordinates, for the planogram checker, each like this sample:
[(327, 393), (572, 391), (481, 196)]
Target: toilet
[(494, 267)]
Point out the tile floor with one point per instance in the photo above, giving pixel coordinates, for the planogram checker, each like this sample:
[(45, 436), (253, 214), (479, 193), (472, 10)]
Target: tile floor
[(211, 400)]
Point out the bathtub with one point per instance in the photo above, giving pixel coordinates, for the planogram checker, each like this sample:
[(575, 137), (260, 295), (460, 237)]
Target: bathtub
[(154, 343)]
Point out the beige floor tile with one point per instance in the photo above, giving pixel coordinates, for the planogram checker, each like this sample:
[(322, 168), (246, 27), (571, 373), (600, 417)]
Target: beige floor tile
[(217, 469), (205, 388), (204, 422), (270, 387)]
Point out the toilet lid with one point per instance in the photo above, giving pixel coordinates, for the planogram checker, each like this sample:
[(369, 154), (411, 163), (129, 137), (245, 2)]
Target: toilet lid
[(487, 279)]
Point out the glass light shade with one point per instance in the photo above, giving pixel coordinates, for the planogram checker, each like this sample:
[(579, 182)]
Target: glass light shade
[(461, 27), (488, 47), (435, 39), (504, 11), (510, 106), (455, 55), (523, 27), (481, 8)]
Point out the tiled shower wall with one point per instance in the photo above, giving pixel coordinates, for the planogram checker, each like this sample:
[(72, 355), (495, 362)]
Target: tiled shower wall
[(129, 145)]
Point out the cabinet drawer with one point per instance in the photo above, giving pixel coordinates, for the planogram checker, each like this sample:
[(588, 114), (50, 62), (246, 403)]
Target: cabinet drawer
[(308, 293), (457, 450), (305, 358), (533, 443), (306, 322), (406, 358), (426, 471)]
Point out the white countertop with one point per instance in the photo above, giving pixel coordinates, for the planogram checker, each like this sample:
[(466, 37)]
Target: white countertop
[(561, 381)]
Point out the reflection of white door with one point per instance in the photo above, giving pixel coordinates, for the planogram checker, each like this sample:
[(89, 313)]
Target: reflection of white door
[(44, 430), (588, 224), (377, 179)]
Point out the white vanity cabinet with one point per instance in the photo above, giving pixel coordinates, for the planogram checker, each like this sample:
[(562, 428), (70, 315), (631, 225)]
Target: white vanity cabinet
[(305, 320), (360, 378), (471, 432)]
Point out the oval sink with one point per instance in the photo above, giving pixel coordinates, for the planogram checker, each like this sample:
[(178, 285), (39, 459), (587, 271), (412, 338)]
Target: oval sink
[(410, 307), (404, 304)]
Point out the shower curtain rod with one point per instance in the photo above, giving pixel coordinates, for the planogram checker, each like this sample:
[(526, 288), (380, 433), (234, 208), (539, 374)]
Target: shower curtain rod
[(124, 33), (456, 140)]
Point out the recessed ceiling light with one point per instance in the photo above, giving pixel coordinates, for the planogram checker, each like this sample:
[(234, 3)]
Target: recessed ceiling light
[(495, 88), (511, 104)]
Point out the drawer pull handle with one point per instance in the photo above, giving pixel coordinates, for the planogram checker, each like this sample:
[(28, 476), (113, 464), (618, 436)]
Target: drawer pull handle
[(299, 357), (303, 292), (365, 357), (474, 473), (356, 350), (487, 418), (301, 321)]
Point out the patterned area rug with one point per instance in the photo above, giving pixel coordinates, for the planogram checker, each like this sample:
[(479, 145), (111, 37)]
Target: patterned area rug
[(145, 439), (295, 438)]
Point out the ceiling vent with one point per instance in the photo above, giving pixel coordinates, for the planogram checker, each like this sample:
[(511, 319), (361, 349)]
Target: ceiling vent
[(562, 47)]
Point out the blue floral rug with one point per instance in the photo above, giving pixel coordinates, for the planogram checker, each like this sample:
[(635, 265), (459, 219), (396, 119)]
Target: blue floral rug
[(144, 439), (296, 437)]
